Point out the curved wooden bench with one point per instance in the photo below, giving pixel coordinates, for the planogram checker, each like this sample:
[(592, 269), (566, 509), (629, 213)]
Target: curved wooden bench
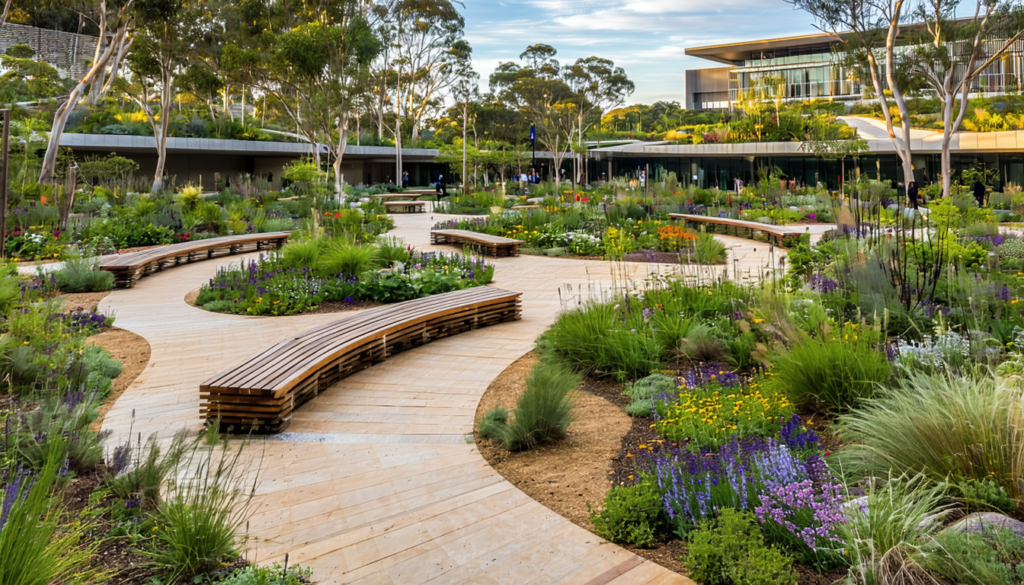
[(484, 243), (261, 393), (780, 233), (405, 206), (132, 267), (396, 196)]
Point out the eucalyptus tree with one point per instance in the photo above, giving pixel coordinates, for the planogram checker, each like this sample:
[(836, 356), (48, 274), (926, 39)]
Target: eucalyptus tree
[(599, 86), (122, 19), (168, 34), (537, 89), (465, 90), (951, 53), (870, 29), (314, 59)]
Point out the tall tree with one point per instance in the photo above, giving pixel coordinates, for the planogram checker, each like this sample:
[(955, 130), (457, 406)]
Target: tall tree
[(869, 28), (950, 53), (465, 90), (536, 88), (125, 13), (599, 86), (315, 62), (168, 33)]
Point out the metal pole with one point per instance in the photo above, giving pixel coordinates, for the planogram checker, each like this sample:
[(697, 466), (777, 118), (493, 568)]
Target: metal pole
[(4, 164), (533, 145)]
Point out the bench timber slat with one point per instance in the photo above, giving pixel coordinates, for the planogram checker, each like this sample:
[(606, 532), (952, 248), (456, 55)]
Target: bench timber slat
[(780, 233), (261, 393), (396, 196), (130, 268), (487, 244), (405, 206)]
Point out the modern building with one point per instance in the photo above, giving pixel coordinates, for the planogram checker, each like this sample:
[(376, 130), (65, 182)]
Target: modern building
[(810, 69)]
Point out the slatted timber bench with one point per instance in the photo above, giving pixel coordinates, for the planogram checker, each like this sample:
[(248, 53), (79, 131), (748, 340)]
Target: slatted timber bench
[(262, 393), (132, 267), (396, 196), (405, 206), (483, 243), (781, 234)]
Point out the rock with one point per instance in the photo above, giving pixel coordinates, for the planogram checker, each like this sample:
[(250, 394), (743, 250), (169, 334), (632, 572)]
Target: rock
[(977, 521)]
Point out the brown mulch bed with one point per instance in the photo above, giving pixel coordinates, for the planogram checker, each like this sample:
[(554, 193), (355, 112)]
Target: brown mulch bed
[(132, 351), (83, 301)]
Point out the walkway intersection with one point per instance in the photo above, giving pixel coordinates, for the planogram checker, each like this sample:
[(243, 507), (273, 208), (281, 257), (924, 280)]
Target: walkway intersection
[(378, 479)]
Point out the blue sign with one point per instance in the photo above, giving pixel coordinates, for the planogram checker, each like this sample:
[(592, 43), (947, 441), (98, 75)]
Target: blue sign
[(533, 133)]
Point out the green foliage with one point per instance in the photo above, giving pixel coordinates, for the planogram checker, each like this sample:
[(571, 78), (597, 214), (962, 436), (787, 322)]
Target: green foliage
[(347, 259), (204, 507), (941, 426), (493, 424), (139, 471), (833, 375), (731, 551), (708, 250), (643, 391), (984, 495), (632, 515), (37, 546), (81, 274), (993, 556), (885, 537), (543, 412), (273, 574)]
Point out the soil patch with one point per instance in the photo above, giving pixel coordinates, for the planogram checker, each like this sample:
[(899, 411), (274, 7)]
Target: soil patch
[(83, 301), (132, 351), (578, 471)]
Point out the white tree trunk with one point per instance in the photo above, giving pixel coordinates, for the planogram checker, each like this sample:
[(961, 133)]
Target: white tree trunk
[(339, 154)]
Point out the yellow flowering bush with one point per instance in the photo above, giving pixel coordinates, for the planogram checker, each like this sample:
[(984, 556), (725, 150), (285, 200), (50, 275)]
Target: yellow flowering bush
[(711, 414)]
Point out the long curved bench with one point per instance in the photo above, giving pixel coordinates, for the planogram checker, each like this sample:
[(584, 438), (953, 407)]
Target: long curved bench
[(484, 243), (261, 393), (781, 233), (132, 267)]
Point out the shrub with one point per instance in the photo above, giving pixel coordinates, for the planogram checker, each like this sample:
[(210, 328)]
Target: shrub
[(708, 250), (274, 574), (544, 411), (346, 259), (833, 375), (302, 254), (943, 427), (994, 556), (137, 472), (885, 536), (730, 551), (197, 522), (593, 338), (632, 515), (644, 391), (492, 425), (78, 275)]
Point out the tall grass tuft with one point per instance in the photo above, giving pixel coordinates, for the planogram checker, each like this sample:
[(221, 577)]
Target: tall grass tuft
[(80, 274), (36, 548), (348, 259), (302, 254), (198, 522), (943, 427), (138, 471), (594, 338), (885, 539), (833, 375), (543, 413)]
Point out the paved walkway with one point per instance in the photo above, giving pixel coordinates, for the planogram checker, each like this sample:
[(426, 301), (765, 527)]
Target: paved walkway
[(378, 479)]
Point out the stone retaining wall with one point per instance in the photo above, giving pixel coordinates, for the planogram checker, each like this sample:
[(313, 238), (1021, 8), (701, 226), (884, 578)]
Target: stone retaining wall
[(70, 53)]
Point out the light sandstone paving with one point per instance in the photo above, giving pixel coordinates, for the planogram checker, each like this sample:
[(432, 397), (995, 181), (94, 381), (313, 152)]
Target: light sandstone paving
[(376, 480)]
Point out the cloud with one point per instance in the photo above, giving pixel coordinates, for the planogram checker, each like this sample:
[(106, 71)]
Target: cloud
[(647, 37)]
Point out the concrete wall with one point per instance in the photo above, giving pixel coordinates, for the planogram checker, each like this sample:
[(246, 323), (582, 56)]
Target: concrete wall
[(707, 86), (68, 52)]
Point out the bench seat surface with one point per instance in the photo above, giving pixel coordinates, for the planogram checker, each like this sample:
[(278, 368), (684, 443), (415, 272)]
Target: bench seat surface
[(476, 237), (136, 259), (781, 231)]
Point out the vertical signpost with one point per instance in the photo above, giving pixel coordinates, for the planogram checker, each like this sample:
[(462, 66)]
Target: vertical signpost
[(533, 145), (5, 144)]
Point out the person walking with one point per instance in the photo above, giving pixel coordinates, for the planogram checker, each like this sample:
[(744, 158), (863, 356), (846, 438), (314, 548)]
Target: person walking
[(979, 193), (405, 179), (913, 195)]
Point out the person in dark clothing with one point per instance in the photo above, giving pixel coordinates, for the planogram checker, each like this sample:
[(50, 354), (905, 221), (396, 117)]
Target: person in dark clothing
[(979, 193), (912, 194), (900, 191)]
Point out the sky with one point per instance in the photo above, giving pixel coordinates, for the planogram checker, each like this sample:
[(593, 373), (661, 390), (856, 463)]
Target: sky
[(645, 37)]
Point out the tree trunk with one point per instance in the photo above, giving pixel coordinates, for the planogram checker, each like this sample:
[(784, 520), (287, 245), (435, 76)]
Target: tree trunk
[(97, 81), (115, 66), (7, 11), (339, 179), (167, 79), (60, 118), (465, 115), (398, 129)]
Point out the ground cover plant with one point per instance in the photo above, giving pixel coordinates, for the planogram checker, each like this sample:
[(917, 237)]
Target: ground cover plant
[(320, 268)]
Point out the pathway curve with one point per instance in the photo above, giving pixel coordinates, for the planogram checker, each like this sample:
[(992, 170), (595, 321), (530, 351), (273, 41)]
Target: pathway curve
[(378, 480)]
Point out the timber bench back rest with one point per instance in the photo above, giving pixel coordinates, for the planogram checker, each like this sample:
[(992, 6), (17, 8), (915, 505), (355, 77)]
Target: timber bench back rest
[(130, 268), (780, 233), (261, 393), (405, 206), (484, 243)]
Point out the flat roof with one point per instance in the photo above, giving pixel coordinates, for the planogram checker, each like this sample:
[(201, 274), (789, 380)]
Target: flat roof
[(732, 52)]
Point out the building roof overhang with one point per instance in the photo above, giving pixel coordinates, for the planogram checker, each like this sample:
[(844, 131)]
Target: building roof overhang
[(730, 53)]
